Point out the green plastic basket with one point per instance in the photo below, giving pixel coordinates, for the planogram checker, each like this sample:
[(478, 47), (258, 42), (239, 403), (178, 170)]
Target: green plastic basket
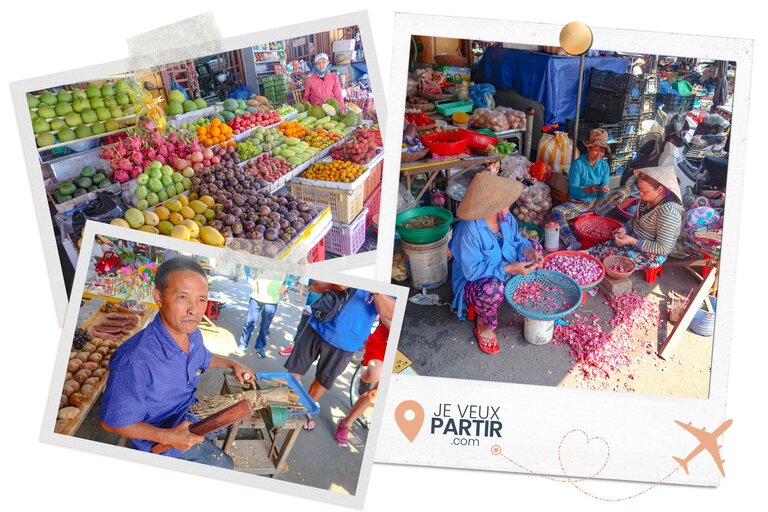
[(426, 235), (448, 109)]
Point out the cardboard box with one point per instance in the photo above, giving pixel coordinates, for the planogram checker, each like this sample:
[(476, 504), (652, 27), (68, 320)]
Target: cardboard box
[(345, 45), (454, 74)]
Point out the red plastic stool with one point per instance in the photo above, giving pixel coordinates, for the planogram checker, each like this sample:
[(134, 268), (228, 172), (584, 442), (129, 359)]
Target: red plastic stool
[(652, 273), (212, 310), (705, 270), (471, 312)]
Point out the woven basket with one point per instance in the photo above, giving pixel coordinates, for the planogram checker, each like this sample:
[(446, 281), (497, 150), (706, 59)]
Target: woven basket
[(412, 157), (422, 129), (564, 290)]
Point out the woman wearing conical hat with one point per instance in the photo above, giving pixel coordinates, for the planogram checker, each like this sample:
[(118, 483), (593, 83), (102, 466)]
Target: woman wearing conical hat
[(487, 251), (651, 233)]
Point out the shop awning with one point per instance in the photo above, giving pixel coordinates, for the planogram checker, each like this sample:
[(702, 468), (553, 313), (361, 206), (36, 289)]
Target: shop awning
[(551, 80)]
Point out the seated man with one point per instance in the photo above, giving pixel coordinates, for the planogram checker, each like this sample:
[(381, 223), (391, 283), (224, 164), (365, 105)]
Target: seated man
[(153, 376), (588, 187)]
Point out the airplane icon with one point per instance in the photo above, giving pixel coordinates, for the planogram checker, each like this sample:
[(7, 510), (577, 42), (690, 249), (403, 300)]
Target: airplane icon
[(707, 441)]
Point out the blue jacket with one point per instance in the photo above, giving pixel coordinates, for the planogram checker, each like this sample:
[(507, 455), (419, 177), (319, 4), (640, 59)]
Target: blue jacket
[(582, 175), (478, 253)]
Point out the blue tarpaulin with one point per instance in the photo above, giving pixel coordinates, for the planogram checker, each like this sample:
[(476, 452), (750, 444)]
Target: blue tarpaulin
[(552, 80)]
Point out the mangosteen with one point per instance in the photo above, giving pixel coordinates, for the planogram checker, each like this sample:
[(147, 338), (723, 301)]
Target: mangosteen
[(217, 224), (297, 225), (219, 183), (260, 228), (249, 225), (312, 212), (274, 224), (210, 178), (274, 216), (237, 228), (282, 200), (258, 235), (270, 234), (292, 205), (239, 189), (229, 219), (220, 216), (218, 208), (229, 175), (228, 204), (307, 217), (284, 223), (252, 200), (226, 232), (303, 207), (237, 211), (290, 197), (264, 210)]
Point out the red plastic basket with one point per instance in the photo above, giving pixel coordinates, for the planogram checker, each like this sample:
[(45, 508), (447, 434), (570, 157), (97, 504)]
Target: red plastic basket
[(479, 140), (446, 143), (317, 253), (624, 207), (592, 229)]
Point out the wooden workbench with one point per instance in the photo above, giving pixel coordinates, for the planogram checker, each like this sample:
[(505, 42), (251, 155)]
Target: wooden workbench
[(269, 449)]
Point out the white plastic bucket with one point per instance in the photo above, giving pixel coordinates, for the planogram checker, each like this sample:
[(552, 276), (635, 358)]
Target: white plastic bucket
[(538, 332), (427, 263)]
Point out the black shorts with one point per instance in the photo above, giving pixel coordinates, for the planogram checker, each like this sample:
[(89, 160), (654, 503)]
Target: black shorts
[(309, 346)]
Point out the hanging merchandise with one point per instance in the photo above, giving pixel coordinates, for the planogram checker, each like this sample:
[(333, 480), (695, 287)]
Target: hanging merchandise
[(556, 150)]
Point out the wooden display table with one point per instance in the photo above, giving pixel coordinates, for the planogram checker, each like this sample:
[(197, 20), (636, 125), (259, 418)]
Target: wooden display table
[(270, 447), (432, 169)]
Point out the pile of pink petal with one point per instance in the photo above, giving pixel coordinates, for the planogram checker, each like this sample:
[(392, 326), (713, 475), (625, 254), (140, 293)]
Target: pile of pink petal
[(596, 230), (621, 267), (600, 354), (538, 297), (584, 270)]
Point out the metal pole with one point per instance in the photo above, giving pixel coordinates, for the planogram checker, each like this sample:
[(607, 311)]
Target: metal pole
[(578, 107)]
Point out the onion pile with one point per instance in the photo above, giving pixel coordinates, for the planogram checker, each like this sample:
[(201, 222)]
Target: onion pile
[(539, 297), (620, 267), (599, 354), (596, 230), (584, 270)]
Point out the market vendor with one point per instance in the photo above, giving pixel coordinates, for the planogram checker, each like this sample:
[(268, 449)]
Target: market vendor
[(652, 232), (588, 187), (487, 251), (153, 376), (323, 85)]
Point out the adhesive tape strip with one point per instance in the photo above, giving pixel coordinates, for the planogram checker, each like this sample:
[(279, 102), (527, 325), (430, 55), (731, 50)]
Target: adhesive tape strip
[(187, 39)]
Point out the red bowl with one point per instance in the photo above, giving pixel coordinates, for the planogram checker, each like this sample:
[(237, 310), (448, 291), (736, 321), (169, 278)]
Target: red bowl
[(623, 207), (593, 229), (479, 140), (446, 143)]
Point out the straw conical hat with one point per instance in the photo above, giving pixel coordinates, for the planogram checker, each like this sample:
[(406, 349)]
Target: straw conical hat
[(664, 175), (487, 195)]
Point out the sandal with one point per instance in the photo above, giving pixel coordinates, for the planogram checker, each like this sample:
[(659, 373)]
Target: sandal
[(487, 345), (310, 424)]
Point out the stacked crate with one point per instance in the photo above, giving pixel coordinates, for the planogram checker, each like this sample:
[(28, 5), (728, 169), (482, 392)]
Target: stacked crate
[(617, 100)]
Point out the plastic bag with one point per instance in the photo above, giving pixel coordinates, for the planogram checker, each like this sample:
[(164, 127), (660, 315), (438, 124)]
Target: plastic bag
[(534, 204), (150, 116), (413, 87), (482, 95), (175, 86), (516, 168), (556, 150), (457, 187), (462, 91), (405, 199), (241, 92), (493, 120), (515, 118)]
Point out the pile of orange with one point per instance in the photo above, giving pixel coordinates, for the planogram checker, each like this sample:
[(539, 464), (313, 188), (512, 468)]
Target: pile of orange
[(335, 170), (321, 138), (293, 129), (215, 133)]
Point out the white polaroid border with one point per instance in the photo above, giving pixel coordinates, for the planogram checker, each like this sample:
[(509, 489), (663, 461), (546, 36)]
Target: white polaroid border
[(48, 435), (639, 430), (29, 148)]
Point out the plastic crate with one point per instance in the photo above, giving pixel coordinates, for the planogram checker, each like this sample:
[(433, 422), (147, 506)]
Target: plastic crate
[(614, 129), (649, 104), (647, 116), (373, 204), (675, 103), (374, 179), (625, 145), (317, 253), (346, 239), (611, 108), (622, 84), (344, 204), (651, 84), (619, 163)]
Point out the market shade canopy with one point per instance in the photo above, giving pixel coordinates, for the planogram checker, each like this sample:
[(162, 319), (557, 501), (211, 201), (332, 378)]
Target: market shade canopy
[(552, 80)]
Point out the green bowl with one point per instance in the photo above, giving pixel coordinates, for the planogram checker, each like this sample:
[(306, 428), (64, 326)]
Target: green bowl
[(532, 227), (426, 235)]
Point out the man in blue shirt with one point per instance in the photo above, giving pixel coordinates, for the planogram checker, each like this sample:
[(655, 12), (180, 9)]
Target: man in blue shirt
[(333, 343), (588, 187), (153, 376)]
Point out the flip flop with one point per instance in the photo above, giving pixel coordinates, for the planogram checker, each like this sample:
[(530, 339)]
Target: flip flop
[(310, 424), (487, 345)]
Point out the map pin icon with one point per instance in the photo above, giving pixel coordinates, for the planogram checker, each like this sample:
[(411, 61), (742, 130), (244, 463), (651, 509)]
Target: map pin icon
[(409, 427)]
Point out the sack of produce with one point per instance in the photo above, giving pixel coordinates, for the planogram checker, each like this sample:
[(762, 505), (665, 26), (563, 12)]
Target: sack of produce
[(482, 95), (534, 204), (516, 168), (556, 151), (491, 119)]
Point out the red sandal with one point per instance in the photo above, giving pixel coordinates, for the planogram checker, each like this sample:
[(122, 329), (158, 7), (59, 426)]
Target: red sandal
[(487, 345)]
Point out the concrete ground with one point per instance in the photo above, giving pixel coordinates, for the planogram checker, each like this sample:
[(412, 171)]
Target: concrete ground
[(441, 345), (316, 460)]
